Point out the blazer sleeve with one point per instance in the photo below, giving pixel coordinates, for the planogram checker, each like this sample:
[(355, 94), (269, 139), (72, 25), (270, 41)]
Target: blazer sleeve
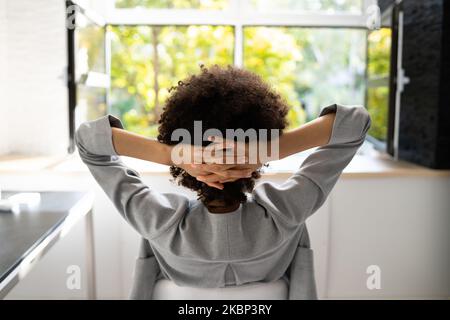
[(146, 210), (307, 189)]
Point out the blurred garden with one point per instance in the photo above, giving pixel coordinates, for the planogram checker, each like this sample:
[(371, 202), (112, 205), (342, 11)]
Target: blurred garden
[(310, 67)]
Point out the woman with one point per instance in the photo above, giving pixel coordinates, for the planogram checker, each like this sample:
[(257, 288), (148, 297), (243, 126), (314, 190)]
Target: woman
[(234, 233)]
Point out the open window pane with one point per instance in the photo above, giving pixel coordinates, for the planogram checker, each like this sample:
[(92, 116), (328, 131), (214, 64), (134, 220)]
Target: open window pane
[(90, 47), (378, 69), (148, 60), (310, 67), (173, 4), (379, 53), (328, 6), (378, 102), (91, 104)]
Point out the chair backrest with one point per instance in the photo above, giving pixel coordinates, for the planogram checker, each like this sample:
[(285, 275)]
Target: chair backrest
[(300, 285), (168, 290)]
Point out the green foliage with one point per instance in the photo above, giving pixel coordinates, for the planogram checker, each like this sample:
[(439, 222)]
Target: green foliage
[(308, 66), (379, 43), (378, 98), (379, 51), (141, 79), (272, 53)]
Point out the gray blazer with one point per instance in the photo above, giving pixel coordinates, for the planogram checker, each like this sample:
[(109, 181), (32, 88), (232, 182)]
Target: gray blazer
[(300, 275), (264, 240)]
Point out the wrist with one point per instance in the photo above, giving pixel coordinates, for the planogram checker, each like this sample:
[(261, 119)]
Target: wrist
[(167, 150)]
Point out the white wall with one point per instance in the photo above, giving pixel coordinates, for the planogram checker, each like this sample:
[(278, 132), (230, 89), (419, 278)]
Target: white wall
[(398, 223), (33, 93), (3, 73)]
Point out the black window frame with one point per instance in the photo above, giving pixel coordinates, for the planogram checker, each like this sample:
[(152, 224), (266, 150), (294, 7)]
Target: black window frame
[(73, 8)]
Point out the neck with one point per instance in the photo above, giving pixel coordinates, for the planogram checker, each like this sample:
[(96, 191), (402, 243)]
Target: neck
[(218, 207)]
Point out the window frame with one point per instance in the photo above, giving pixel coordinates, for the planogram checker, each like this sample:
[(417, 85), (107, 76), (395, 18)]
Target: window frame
[(238, 16), (91, 79)]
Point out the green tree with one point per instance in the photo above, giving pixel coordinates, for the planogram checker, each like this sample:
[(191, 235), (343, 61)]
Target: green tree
[(272, 53), (147, 61), (308, 66), (378, 70)]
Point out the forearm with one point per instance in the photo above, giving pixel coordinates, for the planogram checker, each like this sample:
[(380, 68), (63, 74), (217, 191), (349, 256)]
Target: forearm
[(133, 145), (312, 134)]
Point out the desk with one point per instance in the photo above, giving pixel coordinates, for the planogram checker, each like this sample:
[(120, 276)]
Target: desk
[(25, 237)]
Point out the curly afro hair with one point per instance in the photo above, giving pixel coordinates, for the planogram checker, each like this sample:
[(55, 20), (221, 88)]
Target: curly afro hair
[(222, 98)]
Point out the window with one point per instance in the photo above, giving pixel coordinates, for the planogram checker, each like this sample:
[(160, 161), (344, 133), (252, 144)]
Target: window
[(90, 70), (378, 71), (313, 52), (308, 66), (148, 60), (88, 80), (90, 55)]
